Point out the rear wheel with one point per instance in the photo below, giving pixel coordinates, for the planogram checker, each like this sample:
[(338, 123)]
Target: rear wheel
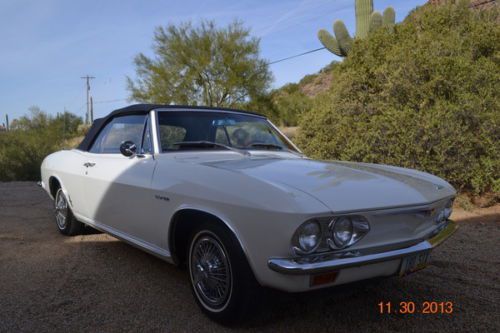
[(221, 279), (65, 220)]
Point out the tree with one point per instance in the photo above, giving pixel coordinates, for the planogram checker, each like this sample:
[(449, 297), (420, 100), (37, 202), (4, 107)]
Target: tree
[(63, 124), (36, 119), (290, 103), (202, 65)]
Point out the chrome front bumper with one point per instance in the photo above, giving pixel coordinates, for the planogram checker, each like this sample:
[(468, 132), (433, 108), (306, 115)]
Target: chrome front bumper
[(322, 263)]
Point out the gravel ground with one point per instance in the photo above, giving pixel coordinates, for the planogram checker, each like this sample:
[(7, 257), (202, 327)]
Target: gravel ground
[(94, 282)]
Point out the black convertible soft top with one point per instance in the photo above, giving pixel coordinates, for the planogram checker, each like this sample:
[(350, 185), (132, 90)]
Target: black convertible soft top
[(99, 123)]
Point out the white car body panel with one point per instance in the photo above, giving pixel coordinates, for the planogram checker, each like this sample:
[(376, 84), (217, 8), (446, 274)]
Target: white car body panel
[(263, 198), (118, 189)]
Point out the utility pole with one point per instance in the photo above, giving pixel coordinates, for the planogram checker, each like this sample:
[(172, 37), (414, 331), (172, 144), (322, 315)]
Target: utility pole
[(87, 115), (91, 110), (7, 122)]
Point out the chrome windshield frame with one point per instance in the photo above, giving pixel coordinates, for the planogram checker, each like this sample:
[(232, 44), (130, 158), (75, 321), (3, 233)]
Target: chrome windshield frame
[(156, 129)]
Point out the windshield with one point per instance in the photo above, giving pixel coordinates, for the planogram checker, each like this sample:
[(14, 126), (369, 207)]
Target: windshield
[(188, 130)]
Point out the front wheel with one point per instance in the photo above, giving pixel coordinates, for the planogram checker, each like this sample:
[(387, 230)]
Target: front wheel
[(221, 279), (66, 222)]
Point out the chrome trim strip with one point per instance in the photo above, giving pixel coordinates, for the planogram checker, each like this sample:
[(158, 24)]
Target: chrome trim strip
[(392, 210), (135, 242), (217, 215), (395, 210), (286, 138), (336, 261), (156, 121), (444, 234), (160, 109), (154, 131)]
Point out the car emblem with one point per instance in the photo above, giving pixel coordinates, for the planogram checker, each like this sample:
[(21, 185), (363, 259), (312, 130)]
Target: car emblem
[(161, 197)]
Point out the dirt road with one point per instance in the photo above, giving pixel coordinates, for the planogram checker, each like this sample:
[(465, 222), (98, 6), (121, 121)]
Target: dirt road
[(94, 282)]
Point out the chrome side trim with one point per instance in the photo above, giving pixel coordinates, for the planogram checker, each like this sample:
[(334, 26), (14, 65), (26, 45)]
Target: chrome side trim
[(334, 261), (145, 246)]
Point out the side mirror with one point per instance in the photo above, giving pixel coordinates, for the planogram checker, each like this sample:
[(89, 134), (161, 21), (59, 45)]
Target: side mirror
[(128, 148)]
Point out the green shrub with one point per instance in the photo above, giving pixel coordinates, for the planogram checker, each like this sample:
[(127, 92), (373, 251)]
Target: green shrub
[(423, 97), (283, 106), (290, 104), (33, 137)]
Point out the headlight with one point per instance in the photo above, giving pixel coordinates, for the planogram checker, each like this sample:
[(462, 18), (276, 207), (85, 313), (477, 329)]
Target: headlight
[(448, 209), (347, 230), (308, 237), (444, 213), (341, 231), (323, 234), (440, 217)]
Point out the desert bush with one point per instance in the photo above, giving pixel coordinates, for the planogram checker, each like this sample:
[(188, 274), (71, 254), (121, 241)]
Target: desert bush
[(289, 104), (283, 106), (423, 97), (33, 137)]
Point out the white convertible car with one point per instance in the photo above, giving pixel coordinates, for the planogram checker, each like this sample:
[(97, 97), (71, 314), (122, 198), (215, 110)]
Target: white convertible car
[(226, 193)]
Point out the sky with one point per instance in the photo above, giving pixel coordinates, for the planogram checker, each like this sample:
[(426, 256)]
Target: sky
[(48, 45)]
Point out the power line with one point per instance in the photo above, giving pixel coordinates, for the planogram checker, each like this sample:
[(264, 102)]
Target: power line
[(111, 100), (124, 99), (296, 56)]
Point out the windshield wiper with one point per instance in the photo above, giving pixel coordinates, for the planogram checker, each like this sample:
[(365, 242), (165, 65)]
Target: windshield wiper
[(266, 145), (210, 144), (270, 145)]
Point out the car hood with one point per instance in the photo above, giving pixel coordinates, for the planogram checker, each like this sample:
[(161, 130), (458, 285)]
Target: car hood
[(345, 186)]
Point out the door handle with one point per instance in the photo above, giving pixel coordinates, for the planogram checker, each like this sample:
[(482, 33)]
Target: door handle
[(88, 164)]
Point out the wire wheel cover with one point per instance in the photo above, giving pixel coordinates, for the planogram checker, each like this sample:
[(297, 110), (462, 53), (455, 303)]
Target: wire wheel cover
[(210, 272), (61, 209)]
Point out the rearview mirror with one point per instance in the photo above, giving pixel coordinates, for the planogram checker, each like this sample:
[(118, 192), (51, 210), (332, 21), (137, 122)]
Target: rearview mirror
[(128, 148)]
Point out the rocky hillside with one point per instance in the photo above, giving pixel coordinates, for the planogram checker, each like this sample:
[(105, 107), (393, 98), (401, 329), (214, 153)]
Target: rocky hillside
[(314, 84), (476, 4)]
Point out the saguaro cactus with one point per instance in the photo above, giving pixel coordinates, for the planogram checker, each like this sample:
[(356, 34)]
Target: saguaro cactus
[(364, 10), (389, 18), (367, 21)]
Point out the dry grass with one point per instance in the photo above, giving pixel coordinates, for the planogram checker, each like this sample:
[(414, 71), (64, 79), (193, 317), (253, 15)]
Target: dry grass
[(290, 132), (72, 143)]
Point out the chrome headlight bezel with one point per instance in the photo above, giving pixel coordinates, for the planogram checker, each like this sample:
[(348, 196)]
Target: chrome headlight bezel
[(444, 213), (340, 232), (448, 209), (359, 227), (306, 229)]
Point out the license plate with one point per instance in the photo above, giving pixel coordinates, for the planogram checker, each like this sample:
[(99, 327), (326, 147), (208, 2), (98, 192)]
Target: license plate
[(413, 263)]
